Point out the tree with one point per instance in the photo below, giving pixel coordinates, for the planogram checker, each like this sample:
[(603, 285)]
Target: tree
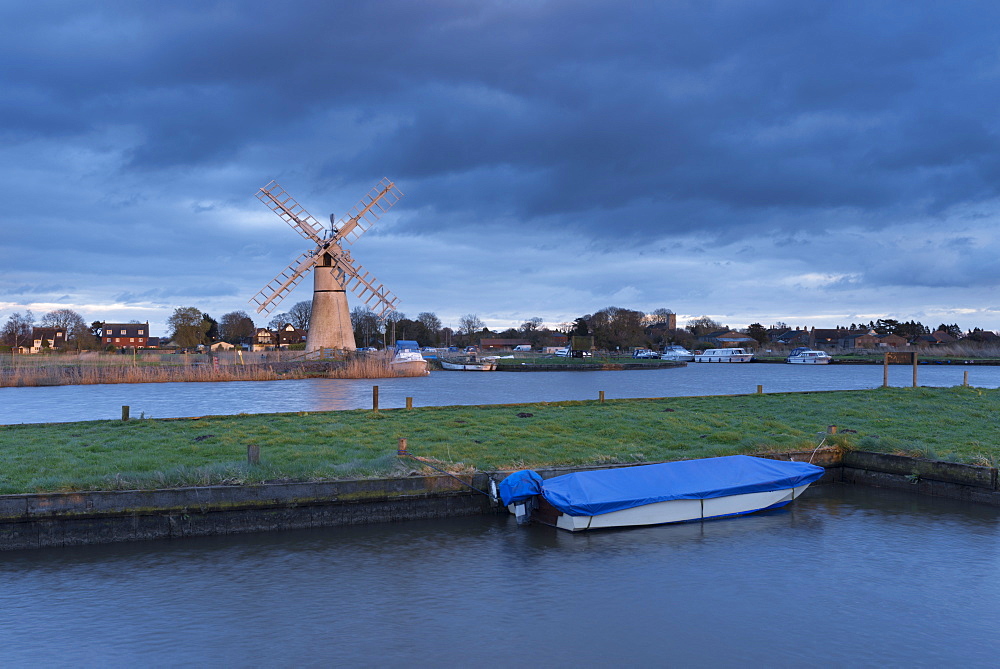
[(469, 324), (430, 321), (17, 330), (365, 323), (279, 321), (211, 329), (758, 332), (617, 328), (580, 327), (530, 325), (300, 314), (78, 334), (952, 329), (188, 327), (704, 325), (236, 327)]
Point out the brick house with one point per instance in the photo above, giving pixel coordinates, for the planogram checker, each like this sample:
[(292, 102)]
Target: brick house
[(501, 344), (125, 335)]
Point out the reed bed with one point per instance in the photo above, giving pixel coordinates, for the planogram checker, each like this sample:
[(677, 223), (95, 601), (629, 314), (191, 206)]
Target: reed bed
[(84, 370)]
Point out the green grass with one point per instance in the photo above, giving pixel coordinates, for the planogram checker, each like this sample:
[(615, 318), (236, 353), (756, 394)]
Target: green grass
[(956, 423)]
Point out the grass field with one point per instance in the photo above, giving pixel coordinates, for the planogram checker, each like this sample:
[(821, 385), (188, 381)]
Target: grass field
[(957, 424)]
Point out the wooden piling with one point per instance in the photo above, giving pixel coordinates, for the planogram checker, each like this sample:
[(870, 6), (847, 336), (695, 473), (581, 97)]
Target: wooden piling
[(124, 412), (401, 447), (374, 398), (253, 454), (409, 402), (760, 389), (600, 396), (965, 378), (885, 371), (831, 429)]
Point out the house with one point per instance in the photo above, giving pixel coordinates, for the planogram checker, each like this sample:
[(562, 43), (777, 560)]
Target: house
[(794, 337), (263, 339), (892, 341), (858, 339), (824, 338), (125, 335), (291, 335), (221, 346), (934, 339), (42, 338)]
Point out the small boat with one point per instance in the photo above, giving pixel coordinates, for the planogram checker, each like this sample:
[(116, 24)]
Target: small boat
[(469, 365), (724, 355), (677, 353), (407, 361), (670, 492), (806, 356)]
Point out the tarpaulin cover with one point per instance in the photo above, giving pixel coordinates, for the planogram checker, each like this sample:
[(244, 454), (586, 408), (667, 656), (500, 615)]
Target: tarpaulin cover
[(520, 486), (606, 490)]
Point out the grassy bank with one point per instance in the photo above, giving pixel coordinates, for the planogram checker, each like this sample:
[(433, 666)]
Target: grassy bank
[(956, 424)]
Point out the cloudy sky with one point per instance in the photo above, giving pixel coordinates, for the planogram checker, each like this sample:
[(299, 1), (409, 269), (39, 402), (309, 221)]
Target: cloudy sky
[(813, 163)]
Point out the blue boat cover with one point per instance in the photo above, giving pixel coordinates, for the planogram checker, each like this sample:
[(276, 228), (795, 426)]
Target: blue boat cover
[(603, 491), (520, 486)]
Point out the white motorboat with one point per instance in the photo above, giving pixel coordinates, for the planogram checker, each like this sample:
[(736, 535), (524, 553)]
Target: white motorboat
[(724, 355), (407, 361), (670, 492), (677, 353), (805, 356), (481, 365)]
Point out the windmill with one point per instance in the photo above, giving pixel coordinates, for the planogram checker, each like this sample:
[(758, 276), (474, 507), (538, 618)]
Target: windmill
[(335, 270)]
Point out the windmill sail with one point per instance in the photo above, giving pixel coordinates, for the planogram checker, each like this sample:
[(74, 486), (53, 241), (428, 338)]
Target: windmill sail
[(290, 211), (280, 286), (368, 211), (353, 277)]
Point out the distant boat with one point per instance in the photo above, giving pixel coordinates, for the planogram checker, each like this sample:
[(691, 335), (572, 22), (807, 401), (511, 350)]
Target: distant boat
[(677, 353), (724, 355), (670, 492), (805, 356), (482, 365)]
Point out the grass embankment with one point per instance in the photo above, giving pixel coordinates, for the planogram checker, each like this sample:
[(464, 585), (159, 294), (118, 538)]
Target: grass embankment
[(957, 424)]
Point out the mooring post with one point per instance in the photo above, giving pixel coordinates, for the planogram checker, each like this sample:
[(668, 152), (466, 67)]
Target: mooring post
[(600, 395), (124, 412), (831, 429), (409, 402), (914, 369), (401, 447), (885, 371), (760, 389), (965, 378), (374, 398), (253, 454)]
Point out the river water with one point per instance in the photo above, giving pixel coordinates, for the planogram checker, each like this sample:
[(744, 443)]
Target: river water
[(171, 400), (843, 577)]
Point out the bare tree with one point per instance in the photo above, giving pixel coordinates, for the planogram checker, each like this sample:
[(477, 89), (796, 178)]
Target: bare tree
[(78, 333), (469, 324), (17, 330), (279, 321), (300, 314), (430, 321), (366, 326)]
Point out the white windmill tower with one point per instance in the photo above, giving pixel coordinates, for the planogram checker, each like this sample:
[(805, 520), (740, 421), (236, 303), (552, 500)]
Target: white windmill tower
[(335, 270)]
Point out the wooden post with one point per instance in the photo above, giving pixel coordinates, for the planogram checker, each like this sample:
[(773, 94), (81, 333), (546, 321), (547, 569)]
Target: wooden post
[(600, 395), (965, 378), (885, 372), (831, 429), (914, 369), (253, 454), (124, 412), (401, 447), (374, 398), (760, 390), (409, 402)]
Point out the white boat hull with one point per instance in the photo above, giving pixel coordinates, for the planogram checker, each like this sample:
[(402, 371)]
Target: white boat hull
[(469, 367), (673, 511), (724, 358), (809, 358)]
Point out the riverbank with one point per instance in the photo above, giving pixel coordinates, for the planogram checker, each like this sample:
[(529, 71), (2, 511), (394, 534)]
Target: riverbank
[(75, 519), (952, 424)]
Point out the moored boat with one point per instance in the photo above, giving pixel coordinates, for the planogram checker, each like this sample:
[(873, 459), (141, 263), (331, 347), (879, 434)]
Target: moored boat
[(805, 356), (724, 355), (407, 361), (677, 353), (470, 365), (669, 492)]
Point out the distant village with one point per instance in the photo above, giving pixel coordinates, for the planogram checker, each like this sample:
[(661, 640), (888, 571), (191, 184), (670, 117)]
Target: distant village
[(612, 329)]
